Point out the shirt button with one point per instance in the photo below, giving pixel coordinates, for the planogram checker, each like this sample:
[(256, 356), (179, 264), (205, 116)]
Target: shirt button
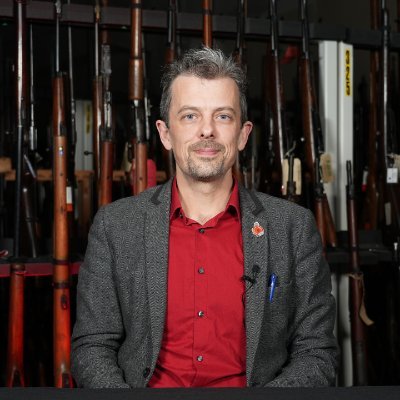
[(200, 270), (201, 230), (199, 358), (200, 313)]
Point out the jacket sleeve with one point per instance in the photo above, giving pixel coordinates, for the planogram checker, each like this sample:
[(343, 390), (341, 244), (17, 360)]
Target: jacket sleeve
[(312, 347), (98, 330)]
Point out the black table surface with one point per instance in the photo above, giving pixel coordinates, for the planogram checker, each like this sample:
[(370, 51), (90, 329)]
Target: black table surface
[(353, 393)]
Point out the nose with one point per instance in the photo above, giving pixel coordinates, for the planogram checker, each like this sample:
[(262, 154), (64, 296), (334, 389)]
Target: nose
[(207, 129)]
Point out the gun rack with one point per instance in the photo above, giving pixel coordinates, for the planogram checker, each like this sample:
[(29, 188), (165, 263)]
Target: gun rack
[(191, 23)]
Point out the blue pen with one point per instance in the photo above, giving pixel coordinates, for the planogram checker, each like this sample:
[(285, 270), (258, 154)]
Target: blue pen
[(272, 280)]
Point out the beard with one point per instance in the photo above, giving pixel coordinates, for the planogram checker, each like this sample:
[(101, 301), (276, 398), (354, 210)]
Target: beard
[(206, 169)]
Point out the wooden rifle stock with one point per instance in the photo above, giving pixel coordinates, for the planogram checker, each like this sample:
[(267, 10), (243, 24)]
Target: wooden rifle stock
[(15, 350), (207, 23), (61, 296), (356, 288), (136, 97), (61, 302)]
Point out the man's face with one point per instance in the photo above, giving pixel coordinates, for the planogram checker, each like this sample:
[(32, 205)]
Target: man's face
[(205, 131)]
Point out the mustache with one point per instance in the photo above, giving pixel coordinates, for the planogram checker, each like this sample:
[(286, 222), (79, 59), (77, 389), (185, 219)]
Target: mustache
[(207, 144)]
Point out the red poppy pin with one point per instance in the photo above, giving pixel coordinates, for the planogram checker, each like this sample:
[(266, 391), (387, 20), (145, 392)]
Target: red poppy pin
[(257, 229)]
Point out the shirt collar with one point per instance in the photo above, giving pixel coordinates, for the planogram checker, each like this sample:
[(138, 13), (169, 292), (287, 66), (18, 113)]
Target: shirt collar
[(176, 206)]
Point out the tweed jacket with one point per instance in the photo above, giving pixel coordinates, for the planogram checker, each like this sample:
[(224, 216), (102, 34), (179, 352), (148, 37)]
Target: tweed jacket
[(121, 299)]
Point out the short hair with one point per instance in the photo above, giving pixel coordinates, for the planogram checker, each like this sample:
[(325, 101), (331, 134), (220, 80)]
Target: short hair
[(205, 63)]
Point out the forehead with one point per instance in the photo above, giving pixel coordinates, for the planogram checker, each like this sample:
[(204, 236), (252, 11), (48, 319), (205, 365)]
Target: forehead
[(191, 89)]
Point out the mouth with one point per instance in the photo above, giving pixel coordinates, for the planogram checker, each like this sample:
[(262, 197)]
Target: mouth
[(207, 152), (207, 149)]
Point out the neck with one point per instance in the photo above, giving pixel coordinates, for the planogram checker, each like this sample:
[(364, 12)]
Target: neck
[(202, 201)]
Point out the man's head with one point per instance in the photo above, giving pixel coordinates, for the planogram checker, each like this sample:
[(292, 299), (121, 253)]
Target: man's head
[(204, 114), (204, 63)]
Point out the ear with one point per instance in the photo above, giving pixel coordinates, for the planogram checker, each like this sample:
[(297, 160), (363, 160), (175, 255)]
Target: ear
[(244, 135), (164, 134)]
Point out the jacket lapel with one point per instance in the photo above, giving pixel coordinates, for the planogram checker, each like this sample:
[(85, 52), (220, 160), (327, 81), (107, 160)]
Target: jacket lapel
[(156, 242), (256, 254)]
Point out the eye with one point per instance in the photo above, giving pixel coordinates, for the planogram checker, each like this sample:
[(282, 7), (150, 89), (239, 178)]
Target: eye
[(189, 117), (225, 117)]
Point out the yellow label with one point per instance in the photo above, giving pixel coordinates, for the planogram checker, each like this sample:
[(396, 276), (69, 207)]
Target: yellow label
[(348, 72)]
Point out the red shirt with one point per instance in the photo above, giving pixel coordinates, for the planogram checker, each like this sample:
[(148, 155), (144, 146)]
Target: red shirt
[(204, 342)]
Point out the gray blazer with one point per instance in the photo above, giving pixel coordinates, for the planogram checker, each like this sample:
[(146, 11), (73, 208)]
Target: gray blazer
[(121, 299)]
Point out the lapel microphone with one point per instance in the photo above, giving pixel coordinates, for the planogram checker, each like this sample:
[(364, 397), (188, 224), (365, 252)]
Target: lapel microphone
[(252, 279)]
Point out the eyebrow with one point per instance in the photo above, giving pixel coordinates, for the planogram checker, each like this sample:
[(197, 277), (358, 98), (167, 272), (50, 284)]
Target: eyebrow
[(194, 108)]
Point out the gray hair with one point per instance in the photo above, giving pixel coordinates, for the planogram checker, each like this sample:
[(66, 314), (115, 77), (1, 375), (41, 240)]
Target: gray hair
[(203, 63)]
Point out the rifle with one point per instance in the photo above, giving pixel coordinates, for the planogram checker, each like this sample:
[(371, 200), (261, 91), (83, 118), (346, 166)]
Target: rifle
[(207, 23), (61, 299), (239, 57), (371, 205), (15, 350), (312, 131), (170, 57), (275, 98), (136, 98), (387, 169), (107, 131), (98, 121), (358, 318), (71, 181)]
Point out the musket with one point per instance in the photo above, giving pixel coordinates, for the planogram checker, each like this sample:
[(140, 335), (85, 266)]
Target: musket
[(170, 57), (356, 290), (207, 23), (106, 129), (312, 131), (61, 297), (15, 349), (136, 98)]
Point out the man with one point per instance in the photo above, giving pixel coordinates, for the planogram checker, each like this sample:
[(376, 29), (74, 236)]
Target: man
[(200, 282)]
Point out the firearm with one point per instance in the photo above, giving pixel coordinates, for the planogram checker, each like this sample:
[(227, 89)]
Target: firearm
[(207, 23), (388, 167), (358, 318), (275, 98), (170, 57), (15, 350), (312, 131), (106, 129), (61, 299), (71, 126), (371, 205), (97, 99), (136, 98), (239, 57)]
